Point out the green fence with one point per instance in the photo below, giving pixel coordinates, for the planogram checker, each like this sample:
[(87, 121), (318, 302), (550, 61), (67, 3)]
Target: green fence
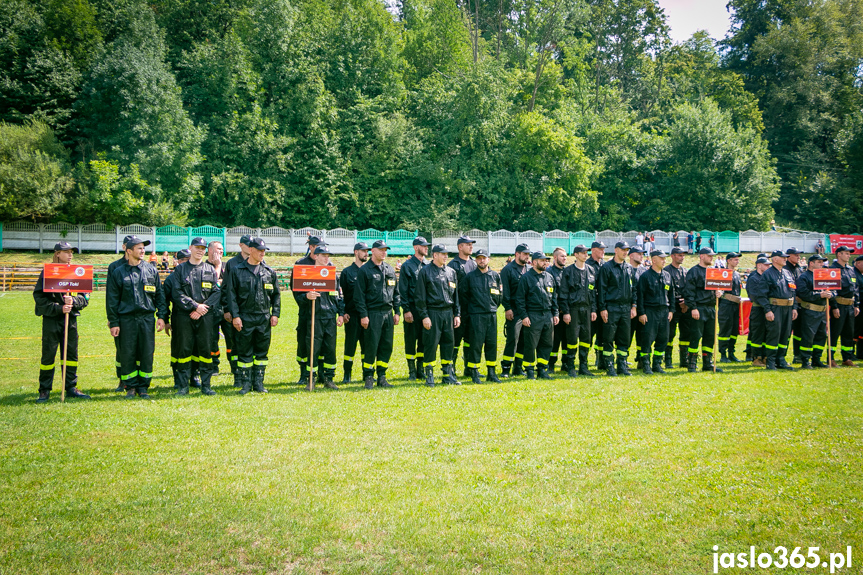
[(172, 238), (209, 233), (727, 242), (583, 238), (401, 242)]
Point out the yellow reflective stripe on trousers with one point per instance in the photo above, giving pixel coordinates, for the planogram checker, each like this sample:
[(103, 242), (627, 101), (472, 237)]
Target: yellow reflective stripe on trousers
[(243, 364), (47, 367), (130, 376), (260, 361)]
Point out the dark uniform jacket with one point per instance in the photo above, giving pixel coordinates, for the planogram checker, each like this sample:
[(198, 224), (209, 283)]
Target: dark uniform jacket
[(678, 277), (536, 294), (735, 289), (134, 289), (794, 269), (167, 287), (653, 291), (778, 284), (577, 288), (348, 285), (193, 285), (254, 291), (376, 289), (595, 265), (480, 292), (327, 306), (408, 282), (50, 304), (850, 289), (615, 285), (461, 267), (509, 276), (694, 293), (806, 289), (114, 265), (556, 273), (226, 280), (300, 296), (757, 289), (437, 289)]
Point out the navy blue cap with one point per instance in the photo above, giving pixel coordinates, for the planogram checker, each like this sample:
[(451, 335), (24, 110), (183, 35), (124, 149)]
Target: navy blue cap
[(323, 249), (580, 249), (315, 240), (732, 255), (420, 241), (538, 256), (778, 254), (814, 257), (245, 240), (258, 244), (439, 249), (762, 261), (621, 246), (792, 251), (132, 241), (599, 245), (636, 250), (63, 246), (480, 252), (198, 242), (677, 250), (465, 240), (706, 252), (381, 245), (522, 248), (658, 254), (843, 249), (361, 246), (183, 254)]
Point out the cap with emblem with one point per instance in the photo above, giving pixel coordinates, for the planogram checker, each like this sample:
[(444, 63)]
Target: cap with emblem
[(857, 259), (732, 255), (621, 246), (538, 256), (126, 239), (439, 249), (778, 254), (198, 242), (706, 252), (258, 244), (315, 240), (420, 241), (814, 257), (63, 246), (761, 255), (323, 249), (132, 241), (599, 245), (792, 251), (480, 252), (844, 249), (465, 240), (579, 249), (658, 254), (361, 246), (245, 240), (677, 250), (521, 248), (183, 254), (636, 250), (762, 261), (380, 245)]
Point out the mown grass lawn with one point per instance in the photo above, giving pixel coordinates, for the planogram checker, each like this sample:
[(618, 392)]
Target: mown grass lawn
[(625, 475)]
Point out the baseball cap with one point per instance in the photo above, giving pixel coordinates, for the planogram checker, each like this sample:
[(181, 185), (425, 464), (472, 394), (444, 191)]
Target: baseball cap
[(198, 242), (599, 245), (439, 249), (63, 246), (677, 250), (132, 241), (522, 248), (258, 244), (636, 250), (621, 246), (323, 249), (480, 252), (183, 254), (465, 240), (762, 261), (706, 252), (381, 245), (843, 249), (778, 254), (315, 240), (420, 241), (538, 256), (245, 240), (791, 251), (579, 249), (658, 254), (731, 255), (361, 246), (814, 257)]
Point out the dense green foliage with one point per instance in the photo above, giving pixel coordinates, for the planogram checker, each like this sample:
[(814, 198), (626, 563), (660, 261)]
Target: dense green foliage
[(430, 114)]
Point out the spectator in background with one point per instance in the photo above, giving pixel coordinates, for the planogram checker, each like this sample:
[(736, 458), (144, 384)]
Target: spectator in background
[(648, 244), (154, 259), (691, 242), (165, 260), (639, 240), (676, 240), (697, 241), (713, 242), (819, 248)]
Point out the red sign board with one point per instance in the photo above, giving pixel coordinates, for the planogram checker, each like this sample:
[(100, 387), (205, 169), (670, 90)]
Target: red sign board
[(314, 278), (64, 278), (719, 279), (827, 279), (852, 242)]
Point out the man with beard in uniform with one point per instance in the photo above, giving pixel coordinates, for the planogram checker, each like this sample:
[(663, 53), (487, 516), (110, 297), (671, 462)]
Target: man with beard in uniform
[(378, 304), (480, 294), (729, 313), (329, 315), (577, 303), (844, 308), (182, 257), (413, 330), (354, 333), (678, 324), (595, 261), (214, 258), (463, 265), (702, 313), (654, 312), (636, 259), (509, 277), (241, 257), (858, 329), (757, 291), (813, 321), (133, 294), (111, 267), (255, 303), (536, 307), (792, 265), (54, 307), (304, 321), (438, 308), (616, 301), (559, 346), (779, 312), (195, 295)]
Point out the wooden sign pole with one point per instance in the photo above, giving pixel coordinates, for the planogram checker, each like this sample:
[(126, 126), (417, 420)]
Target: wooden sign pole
[(65, 350), (716, 330), (829, 347), (312, 351)]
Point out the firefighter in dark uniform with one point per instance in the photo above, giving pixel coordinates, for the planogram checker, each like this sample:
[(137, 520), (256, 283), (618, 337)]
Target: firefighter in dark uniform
[(255, 303), (858, 329), (304, 321), (54, 307), (757, 291), (133, 294), (182, 257), (702, 313), (779, 312), (463, 265), (844, 308), (678, 325), (354, 333), (230, 340), (480, 294), (536, 307), (111, 267), (813, 320), (559, 346), (437, 303), (636, 259), (195, 295), (513, 350), (616, 302), (214, 258), (595, 261), (792, 265), (378, 304), (654, 312), (729, 313), (329, 315), (577, 302), (407, 286)]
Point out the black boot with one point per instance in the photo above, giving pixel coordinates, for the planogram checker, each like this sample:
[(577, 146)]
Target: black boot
[(530, 373), (609, 363), (723, 358), (449, 375), (816, 362), (622, 366), (669, 361), (474, 375), (491, 375), (181, 382), (142, 393), (130, 393), (859, 354), (244, 376), (645, 362), (347, 367), (541, 373), (657, 364), (196, 381), (570, 367), (120, 387), (518, 367), (504, 371), (748, 355), (707, 363), (732, 358), (259, 379), (420, 368), (782, 364), (429, 375), (304, 374), (43, 396), (583, 369), (552, 361), (412, 370), (684, 356), (382, 378), (328, 379), (369, 379), (804, 363), (771, 363), (692, 365), (206, 380)]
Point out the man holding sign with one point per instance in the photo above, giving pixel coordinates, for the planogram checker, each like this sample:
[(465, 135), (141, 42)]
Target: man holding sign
[(812, 314), (55, 307), (844, 308), (780, 310), (701, 303)]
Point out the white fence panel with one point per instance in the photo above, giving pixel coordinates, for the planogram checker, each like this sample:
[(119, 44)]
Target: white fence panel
[(662, 240), (609, 238), (447, 238), (481, 238), (810, 242), (502, 242), (97, 238), (21, 236), (233, 235), (792, 240), (277, 239), (142, 231), (772, 241), (750, 241), (341, 241), (532, 239)]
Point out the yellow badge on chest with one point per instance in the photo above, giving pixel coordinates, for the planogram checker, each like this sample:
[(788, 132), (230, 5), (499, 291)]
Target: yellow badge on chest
[(391, 282), (452, 285), (206, 285), (150, 288), (333, 294), (550, 289), (268, 286), (667, 287), (495, 291)]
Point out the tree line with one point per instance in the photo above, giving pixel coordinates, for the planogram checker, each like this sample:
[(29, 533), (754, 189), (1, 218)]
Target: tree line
[(430, 114)]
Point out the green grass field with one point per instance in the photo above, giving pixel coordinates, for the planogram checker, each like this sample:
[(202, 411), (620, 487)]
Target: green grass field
[(625, 475)]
